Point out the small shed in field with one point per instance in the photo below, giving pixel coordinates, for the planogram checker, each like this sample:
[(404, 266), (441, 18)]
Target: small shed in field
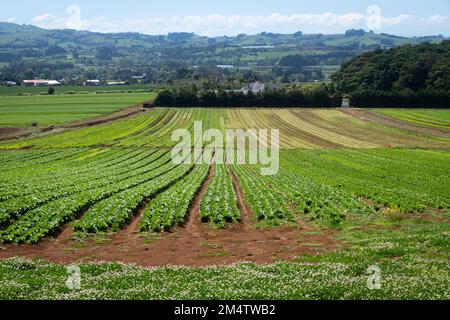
[(148, 104), (345, 101)]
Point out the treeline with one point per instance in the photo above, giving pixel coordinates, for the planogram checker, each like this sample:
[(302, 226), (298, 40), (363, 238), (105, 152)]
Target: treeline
[(408, 76), (319, 97), (428, 98), (409, 67)]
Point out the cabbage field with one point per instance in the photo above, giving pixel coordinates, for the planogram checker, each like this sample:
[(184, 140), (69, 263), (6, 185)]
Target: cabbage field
[(349, 193)]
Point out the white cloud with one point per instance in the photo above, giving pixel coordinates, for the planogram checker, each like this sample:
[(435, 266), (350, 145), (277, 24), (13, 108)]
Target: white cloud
[(48, 21), (11, 20), (44, 17), (215, 24), (400, 19), (436, 19)]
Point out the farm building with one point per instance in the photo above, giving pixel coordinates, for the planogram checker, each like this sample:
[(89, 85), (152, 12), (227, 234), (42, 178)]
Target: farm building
[(34, 83), (40, 83), (91, 83)]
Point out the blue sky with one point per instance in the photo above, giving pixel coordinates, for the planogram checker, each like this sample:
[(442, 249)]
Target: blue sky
[(414, 17)]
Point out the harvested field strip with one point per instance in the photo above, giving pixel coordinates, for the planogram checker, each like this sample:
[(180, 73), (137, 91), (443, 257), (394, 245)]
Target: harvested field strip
[(329, 128), (439, 118), (250, 119), (295, 133), (339, 124), (262, 121), (297, 118), (303, 138), (401, 132)]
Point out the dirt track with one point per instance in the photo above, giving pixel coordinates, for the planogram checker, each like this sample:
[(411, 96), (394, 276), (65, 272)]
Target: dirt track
[(124, 113)]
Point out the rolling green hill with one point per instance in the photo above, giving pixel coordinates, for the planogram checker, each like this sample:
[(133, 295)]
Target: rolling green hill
[(73, 56)]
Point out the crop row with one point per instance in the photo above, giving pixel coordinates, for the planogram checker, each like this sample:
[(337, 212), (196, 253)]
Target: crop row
[(15, 207), (42, 159), (315, 199), (219, 204), (113, 212), (48, 217), (263, 201), (405, 180), (151, 129), (171, 206), (101, 135), (38, 179), (12, 158)]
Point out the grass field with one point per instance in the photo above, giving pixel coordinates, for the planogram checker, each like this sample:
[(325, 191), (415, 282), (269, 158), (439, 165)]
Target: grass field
[(49, 110), (349, 195)]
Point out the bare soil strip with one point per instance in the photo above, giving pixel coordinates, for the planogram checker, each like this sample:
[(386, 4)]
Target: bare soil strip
[(193, 219), (246, 212), (372, 117), (9, 133), (124, 113), (133, 226), (194, 244)]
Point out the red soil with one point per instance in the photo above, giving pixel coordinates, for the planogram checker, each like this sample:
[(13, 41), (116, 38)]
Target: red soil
[(194, 244)]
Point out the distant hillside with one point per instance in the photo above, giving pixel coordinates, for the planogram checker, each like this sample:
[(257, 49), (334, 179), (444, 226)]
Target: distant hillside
[(73, 56), (6, 27), (418, 67), (354, 39)]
